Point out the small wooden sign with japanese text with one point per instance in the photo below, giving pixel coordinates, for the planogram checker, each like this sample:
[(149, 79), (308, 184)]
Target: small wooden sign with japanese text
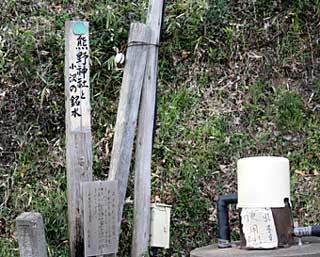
[(77, 75), (100, 202)]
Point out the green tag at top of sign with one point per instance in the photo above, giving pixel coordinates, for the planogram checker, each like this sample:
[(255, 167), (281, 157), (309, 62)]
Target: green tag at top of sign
[(79, 28)]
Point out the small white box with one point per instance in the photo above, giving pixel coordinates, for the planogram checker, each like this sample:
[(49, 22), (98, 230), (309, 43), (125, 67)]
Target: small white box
[(160, 225)]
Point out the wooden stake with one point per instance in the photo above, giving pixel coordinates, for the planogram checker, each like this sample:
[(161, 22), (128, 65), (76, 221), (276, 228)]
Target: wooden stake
[(142, 189), (31, 235), (138, 45), (78, 127)]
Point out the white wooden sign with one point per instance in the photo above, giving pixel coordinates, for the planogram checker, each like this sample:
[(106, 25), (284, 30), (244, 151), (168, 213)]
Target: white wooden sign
[(78, 130), (77, 75), (100, 199)]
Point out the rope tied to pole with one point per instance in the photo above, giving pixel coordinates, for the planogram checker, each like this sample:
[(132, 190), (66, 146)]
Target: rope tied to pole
[(140, 43)]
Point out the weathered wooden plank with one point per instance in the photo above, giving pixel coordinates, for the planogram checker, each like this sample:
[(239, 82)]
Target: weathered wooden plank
[(100, 203), (78, 127), (142, 190), (128, 108), (31, 235)]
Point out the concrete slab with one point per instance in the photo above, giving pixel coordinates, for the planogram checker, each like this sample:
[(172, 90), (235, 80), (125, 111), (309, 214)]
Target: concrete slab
[(309, 248)]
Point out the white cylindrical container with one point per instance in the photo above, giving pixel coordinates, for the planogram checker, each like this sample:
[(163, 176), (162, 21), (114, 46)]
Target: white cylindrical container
[(263, 182)]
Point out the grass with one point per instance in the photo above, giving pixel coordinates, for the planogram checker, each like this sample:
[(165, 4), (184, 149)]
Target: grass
[(236, 79)]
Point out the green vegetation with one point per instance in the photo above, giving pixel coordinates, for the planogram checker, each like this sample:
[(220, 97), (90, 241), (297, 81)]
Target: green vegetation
[(236, 79)]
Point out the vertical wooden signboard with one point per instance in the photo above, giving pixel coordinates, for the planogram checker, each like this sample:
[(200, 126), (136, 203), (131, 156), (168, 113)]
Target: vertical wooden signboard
[(100, 200), (78, 127)]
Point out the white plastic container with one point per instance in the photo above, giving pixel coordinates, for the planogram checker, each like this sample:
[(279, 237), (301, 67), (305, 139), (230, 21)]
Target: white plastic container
[(263, 182), (160, 225)]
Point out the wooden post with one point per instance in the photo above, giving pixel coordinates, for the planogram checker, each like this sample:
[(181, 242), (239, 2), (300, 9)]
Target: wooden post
[(130, 93), (142, 189), (100, 202), (31, 235), (78, 127)]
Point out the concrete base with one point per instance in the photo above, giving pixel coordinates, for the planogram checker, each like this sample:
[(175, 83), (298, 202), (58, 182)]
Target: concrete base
[(309, 248)]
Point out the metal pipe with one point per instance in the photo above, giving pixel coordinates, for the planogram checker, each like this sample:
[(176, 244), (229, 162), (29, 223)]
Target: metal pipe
[(307, 231), (223, 219)]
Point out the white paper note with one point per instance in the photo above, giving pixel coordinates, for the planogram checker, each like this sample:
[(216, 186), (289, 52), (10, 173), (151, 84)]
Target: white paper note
[(259, 228)]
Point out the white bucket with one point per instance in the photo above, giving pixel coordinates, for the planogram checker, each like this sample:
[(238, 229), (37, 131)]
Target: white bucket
[(263, 182)]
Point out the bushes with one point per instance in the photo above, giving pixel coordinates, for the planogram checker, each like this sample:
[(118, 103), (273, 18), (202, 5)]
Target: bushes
[(236, 78)]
